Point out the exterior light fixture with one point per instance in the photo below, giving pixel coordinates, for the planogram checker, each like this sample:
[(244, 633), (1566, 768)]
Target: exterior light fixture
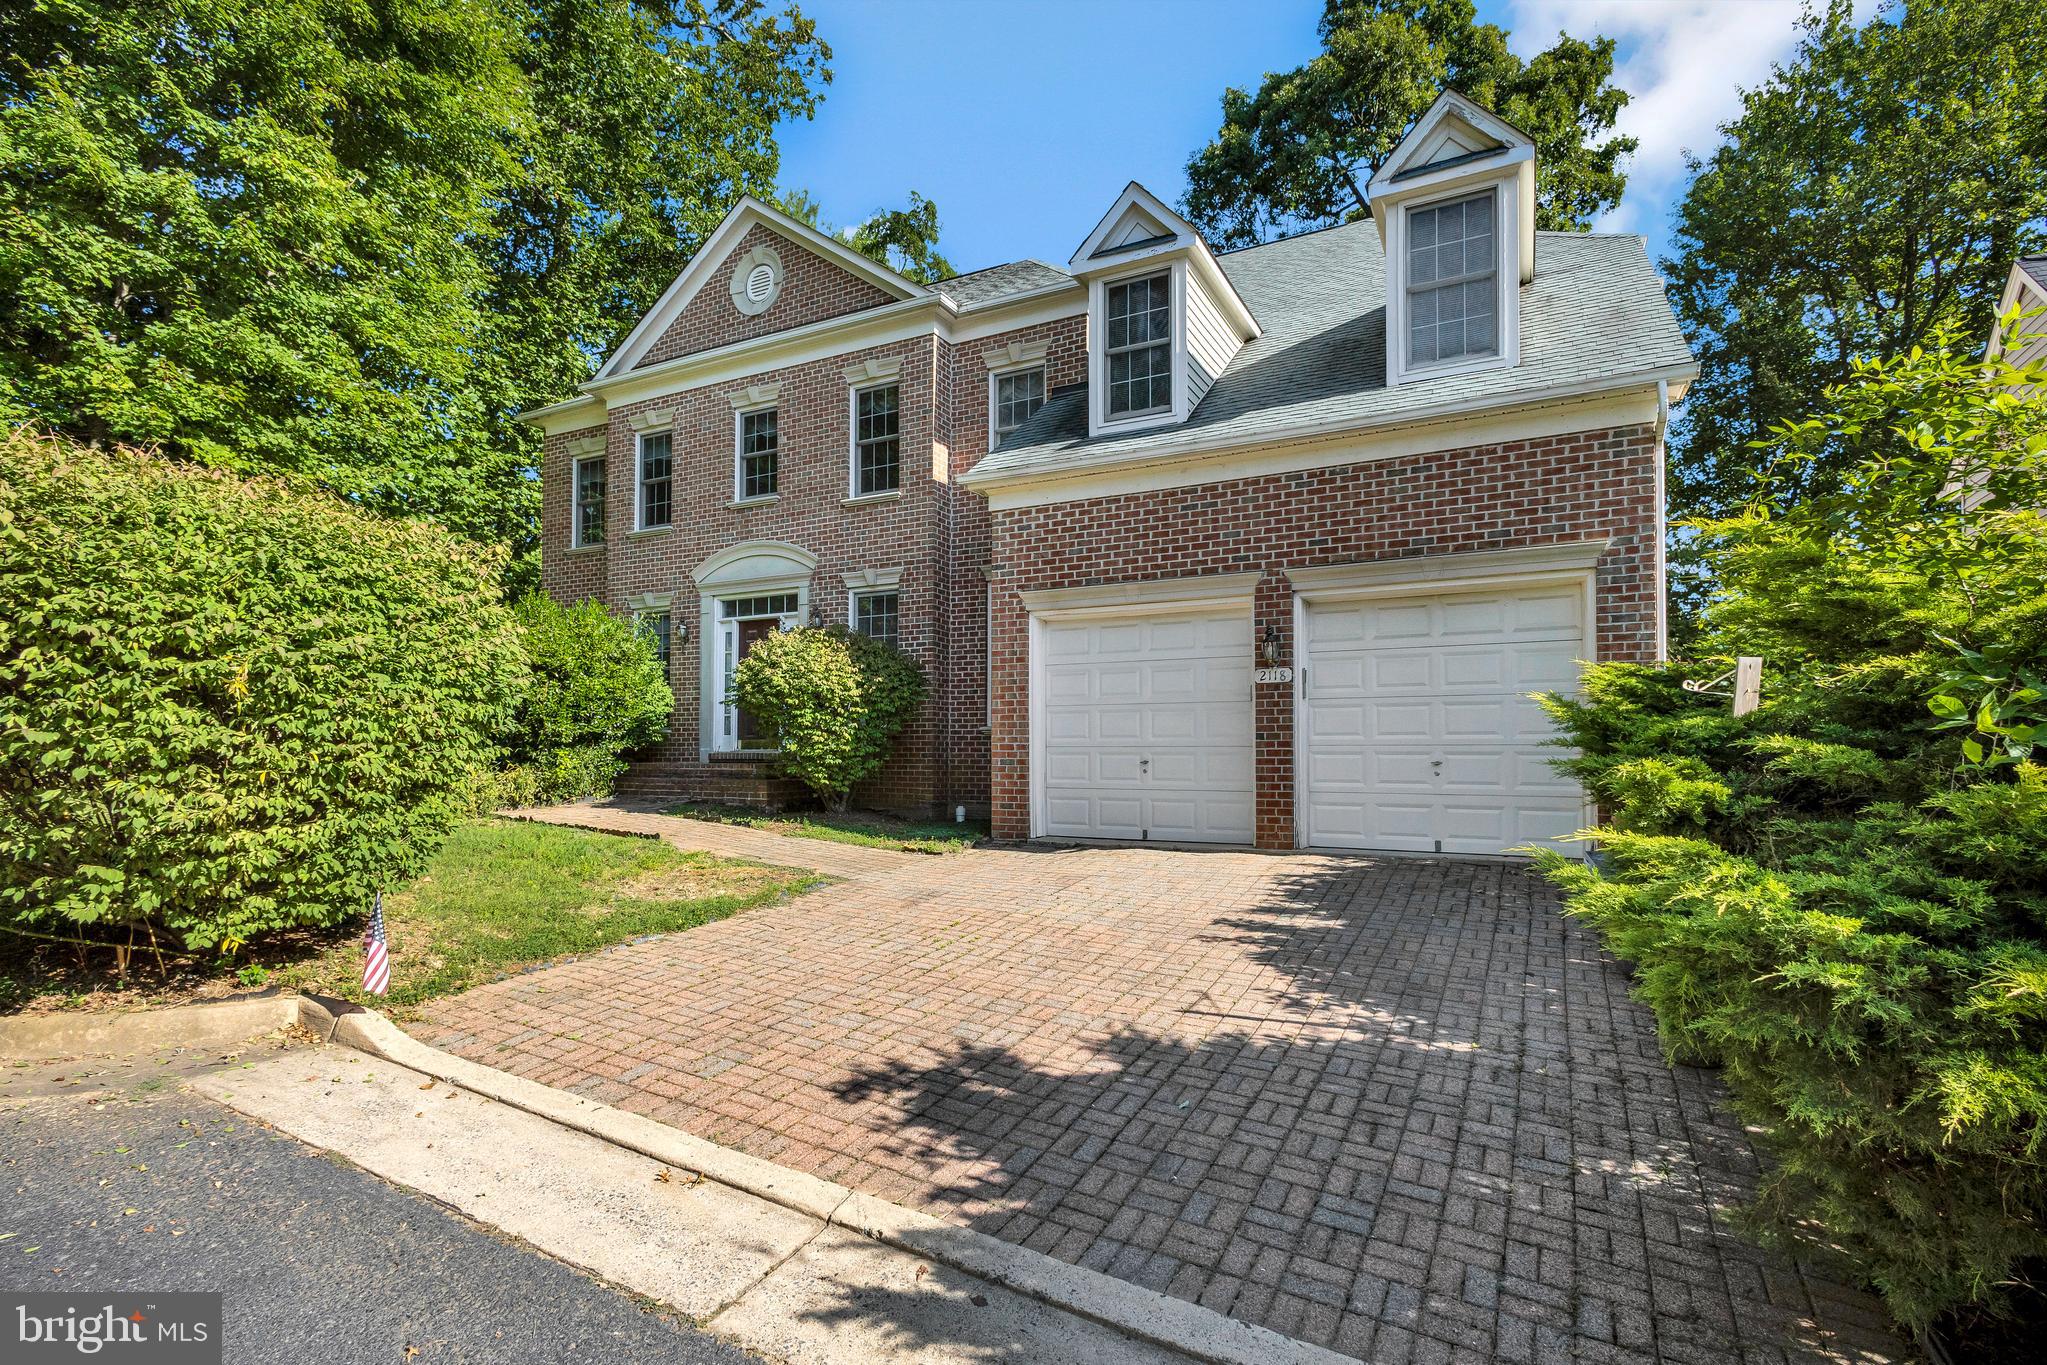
[(1269, 646), (816, 616)]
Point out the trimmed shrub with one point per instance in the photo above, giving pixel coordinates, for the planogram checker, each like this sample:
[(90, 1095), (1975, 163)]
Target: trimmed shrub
[(597, 693), (227, 707), (835, 701), (1841, 898)]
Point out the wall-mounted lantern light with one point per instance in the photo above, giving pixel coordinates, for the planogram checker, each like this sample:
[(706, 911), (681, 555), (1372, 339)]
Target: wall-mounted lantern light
[(1269, 646), (816, 616)]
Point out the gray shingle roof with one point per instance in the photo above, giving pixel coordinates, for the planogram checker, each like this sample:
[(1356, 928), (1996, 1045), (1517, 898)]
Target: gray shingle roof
[(1000, 281), (2035, 266), (1595, 310)]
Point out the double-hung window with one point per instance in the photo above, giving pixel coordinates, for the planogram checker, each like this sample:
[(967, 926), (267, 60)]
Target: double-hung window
[(1137, 317), (877, 441), (657, 450), (759, 447), (1018, 394), (877, 616), (586, 518), (1452, 281), (653, 627)]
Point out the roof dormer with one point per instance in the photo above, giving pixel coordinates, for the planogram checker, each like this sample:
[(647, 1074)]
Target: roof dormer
[(1455, 205), (1163, 319)]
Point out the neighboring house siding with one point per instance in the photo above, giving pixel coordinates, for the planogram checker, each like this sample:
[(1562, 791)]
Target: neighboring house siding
[(1521, 493), (813, 289)]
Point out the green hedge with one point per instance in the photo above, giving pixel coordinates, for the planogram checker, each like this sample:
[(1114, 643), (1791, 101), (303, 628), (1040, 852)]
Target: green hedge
[(227, 707), (1836, 899), (597, 693), (835, 701)]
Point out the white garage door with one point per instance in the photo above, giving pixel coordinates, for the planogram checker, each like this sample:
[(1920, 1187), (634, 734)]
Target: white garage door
[(1147, 728), (1419, 734)]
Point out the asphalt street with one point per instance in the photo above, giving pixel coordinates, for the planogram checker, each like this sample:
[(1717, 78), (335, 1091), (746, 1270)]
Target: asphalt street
[(147, 1187)]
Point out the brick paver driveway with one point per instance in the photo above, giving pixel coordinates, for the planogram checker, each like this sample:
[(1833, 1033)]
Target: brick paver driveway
[(1400, 1108)]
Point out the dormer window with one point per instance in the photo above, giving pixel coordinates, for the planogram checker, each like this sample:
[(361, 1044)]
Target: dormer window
[(1455, 205), (1138, 320), (1453, 272)]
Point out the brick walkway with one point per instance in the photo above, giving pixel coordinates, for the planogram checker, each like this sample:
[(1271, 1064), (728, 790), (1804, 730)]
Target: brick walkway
[(1400, 1108)]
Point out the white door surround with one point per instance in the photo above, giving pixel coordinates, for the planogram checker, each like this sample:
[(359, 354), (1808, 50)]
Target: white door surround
[(1413, 730), (1141, 711), (763, 569)]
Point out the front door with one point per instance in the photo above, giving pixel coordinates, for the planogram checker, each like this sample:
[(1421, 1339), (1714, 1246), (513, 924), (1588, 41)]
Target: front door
[(752, 734)]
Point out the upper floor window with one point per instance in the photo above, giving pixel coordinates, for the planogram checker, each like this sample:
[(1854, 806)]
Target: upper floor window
[(877, 442), (1452, 281), (1137, 317), (1018, 394), (656, 481), (759, 449), (586, 518), (877, 615)]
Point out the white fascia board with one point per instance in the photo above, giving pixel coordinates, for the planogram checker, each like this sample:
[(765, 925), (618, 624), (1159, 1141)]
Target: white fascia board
[(568, 415), (744, 215), (1629, 400), (1134, 196), (1448, 105)]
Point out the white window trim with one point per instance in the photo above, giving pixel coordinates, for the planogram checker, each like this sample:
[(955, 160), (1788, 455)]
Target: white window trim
[(739, 416), (576, 541), (640, 480), (853, 493), (894, 589), (1099, 420), (995, 378), (1506, 282)]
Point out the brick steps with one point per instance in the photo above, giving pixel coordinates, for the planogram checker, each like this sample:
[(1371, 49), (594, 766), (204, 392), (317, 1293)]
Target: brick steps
[(734, 782)]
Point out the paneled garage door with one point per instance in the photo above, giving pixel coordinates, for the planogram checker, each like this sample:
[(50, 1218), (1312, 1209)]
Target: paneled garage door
[(1418, 731), (1146, 728)]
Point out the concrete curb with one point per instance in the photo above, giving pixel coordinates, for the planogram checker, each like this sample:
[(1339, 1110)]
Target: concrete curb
[(1143, 1314), (43, 1036)]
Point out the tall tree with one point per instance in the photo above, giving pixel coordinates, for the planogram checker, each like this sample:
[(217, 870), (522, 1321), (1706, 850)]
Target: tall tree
[(1873, 190), (905, 240), (1298, 154), (347, 239)]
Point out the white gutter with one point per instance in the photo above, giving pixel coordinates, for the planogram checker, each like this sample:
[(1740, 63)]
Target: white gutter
[(981, 477)]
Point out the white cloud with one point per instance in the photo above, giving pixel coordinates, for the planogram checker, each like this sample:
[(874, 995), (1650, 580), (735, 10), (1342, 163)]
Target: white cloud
[(1684, 64)]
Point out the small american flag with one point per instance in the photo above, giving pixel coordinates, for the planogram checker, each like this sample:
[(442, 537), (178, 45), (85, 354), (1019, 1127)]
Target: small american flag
[(376, 962)]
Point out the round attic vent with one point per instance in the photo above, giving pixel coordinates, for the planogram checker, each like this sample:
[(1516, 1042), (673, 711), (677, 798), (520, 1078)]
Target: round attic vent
[(756, 280)]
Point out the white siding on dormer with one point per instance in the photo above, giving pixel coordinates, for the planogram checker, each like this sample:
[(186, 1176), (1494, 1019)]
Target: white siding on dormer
[(1211, 342)]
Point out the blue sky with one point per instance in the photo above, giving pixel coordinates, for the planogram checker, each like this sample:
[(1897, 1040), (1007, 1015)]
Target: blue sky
[(1022, 119)]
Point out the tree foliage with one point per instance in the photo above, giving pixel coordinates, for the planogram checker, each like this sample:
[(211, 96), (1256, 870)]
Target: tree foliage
[(227, 707), (1298, 153), (597, 694), (344, 242), (834, 700), (905, 240), (1827, 897), (1873, 190)]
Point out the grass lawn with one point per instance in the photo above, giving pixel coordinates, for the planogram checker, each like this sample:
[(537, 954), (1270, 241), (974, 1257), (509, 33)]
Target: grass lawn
[(504, 894), (499, 896), (854, 827)]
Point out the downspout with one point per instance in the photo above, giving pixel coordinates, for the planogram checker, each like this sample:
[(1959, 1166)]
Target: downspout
[(1662, 530)]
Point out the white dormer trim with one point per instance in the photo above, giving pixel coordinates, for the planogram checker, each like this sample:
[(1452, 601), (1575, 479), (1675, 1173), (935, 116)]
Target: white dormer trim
[(1139, 236), (710, 258), (1456, 150)]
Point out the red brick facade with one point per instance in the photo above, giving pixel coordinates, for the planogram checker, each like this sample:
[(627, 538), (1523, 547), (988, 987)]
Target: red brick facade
[(813, 289), (1498, 497), (962, 566)]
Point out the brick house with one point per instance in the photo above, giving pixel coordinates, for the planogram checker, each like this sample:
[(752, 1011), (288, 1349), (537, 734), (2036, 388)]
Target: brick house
[(1265, 547)]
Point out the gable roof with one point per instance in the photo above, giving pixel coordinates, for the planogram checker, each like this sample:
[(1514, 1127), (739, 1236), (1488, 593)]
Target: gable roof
[(1454, 131), (2035, 268), (978, 287), (743, 215), (1595, 317)]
